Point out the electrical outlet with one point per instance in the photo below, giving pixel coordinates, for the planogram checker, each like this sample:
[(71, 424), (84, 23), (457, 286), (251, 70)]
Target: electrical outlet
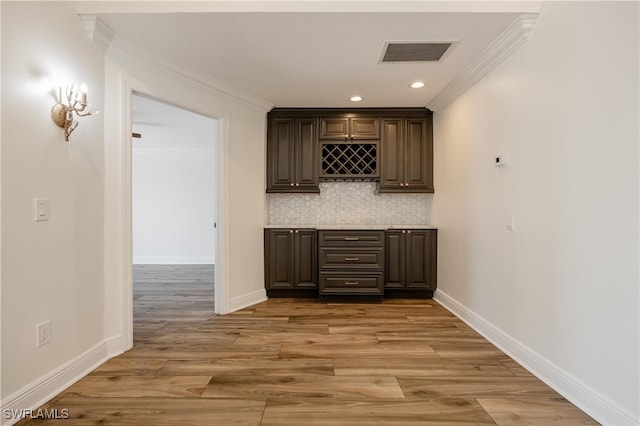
[(43, 333)]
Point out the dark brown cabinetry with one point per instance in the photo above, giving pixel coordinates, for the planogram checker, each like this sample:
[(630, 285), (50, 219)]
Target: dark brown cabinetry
[(351, 263), (290, 259), (406, 155), (349, 128), (292, 155), (393, 146), (411, 259), (308, 263)]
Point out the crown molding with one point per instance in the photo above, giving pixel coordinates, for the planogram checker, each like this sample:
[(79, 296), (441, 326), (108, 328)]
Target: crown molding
[(125, 52), (507, 42), (99, 33), (261, 6)]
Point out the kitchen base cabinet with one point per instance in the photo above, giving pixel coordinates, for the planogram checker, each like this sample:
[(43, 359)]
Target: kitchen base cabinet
[(411, 260), (350, 263), (290, 260)]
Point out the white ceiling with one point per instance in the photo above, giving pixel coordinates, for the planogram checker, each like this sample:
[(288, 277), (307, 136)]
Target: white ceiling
[(318, 58), (165, 126)]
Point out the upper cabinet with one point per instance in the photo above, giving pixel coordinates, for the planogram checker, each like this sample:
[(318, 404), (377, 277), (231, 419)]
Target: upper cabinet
[(349, 128), (292, 155), (406, 154), (393, 146)]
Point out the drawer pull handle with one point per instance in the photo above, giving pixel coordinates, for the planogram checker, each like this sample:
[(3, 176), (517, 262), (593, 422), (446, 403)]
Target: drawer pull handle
[(351, 283), (351, 238), (351, 259)]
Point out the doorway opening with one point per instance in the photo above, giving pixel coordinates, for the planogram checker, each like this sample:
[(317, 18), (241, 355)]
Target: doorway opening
[(174, 204)]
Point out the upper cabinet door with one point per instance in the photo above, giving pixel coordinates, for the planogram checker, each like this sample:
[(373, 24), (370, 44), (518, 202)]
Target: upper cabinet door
[(334, 128), (307, 153), (406, 155), (280, 155), (364, 128), (391, 154), (418, 162), (292, 155), (348, 129)]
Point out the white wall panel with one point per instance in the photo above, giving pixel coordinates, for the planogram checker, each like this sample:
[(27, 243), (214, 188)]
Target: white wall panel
[(564, 284)]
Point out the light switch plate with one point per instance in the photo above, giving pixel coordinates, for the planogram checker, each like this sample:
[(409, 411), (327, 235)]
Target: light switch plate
[(41, 209), (511, 222)]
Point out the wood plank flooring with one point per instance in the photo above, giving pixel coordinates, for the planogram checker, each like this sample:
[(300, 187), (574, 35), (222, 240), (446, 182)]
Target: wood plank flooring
[(295, 361)]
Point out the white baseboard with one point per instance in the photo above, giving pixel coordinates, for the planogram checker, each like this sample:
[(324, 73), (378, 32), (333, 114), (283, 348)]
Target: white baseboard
[(203, 260), (247, 300), (583, 396), (36, 393)]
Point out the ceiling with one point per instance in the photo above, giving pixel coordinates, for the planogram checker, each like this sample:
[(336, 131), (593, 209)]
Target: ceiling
[(165, 126), (317, 58)]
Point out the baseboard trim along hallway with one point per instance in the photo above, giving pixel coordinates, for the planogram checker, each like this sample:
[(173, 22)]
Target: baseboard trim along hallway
[(580, 394), (42, 390), (247, 300)]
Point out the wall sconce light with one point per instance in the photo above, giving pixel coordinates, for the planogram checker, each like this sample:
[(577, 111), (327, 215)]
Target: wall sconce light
[(62, 114)]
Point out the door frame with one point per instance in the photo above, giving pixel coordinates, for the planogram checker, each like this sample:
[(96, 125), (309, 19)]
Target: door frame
[(119, 254)]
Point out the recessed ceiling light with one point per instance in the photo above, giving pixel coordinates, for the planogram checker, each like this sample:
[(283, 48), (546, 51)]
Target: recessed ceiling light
[(417, 85), (355, 98)]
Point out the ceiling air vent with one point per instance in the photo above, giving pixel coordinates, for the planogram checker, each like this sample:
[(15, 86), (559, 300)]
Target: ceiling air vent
[(414, 51)]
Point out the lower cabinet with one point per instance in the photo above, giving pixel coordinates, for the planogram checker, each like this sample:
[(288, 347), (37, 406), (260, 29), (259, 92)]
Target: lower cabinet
[(291, 260), (350, 263), (411, 259)]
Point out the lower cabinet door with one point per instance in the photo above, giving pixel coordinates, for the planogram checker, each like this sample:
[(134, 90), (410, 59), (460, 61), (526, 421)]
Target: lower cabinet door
[(357, 283), (279, 259), (394, 266), (305, 259), (420, 259)]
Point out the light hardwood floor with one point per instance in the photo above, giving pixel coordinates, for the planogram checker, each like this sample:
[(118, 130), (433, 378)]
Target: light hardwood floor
[(298, 361)]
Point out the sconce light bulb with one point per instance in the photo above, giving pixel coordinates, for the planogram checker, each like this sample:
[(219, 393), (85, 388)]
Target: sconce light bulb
[(84, 88)]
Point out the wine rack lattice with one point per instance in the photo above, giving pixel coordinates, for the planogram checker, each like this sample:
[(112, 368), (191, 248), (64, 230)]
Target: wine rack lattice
[(349, 160)]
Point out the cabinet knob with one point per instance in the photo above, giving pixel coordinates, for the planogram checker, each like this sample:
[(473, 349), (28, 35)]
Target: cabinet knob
[(297, 231), (408, 232), (291, 231), (403, 231), (297, 184), (402, 184), (406, 184), (292, 184), (346, 139)]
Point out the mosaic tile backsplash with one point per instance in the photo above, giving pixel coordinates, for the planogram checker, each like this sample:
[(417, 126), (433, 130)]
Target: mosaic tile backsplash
[(347, 203)]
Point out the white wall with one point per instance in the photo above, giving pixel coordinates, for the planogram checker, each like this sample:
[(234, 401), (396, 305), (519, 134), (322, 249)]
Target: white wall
[(50, 270), (173, 186), (562, 288)]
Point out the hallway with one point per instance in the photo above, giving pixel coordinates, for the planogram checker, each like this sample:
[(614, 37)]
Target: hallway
[(287, 361)]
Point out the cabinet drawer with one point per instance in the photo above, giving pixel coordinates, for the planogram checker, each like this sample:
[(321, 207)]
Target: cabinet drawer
[(351, 259), (351, 238), (351, 283)]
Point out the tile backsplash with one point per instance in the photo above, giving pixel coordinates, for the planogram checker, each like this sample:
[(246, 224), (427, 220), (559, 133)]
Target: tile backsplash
[(346, 203)]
